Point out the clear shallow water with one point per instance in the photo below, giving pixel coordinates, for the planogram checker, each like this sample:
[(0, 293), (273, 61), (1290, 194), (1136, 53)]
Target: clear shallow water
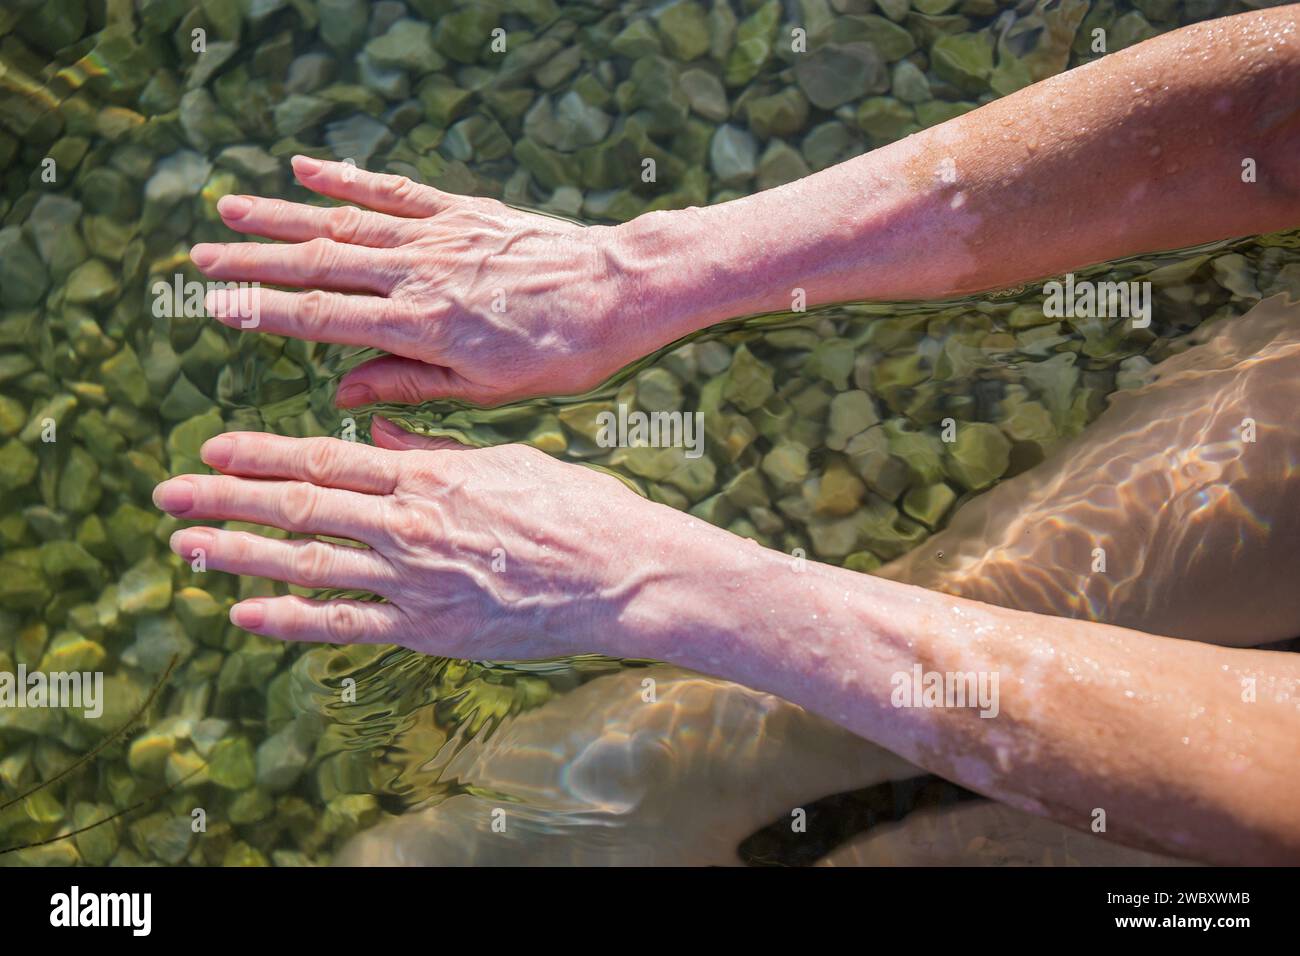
[(267, 738)]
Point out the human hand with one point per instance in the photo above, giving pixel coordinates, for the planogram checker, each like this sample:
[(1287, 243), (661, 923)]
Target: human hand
[(498, 553), (476, 301)]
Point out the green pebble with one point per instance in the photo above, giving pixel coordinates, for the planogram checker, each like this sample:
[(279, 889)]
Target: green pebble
[(231, 764)]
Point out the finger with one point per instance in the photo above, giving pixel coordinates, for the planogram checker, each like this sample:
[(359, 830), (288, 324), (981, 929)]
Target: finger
[(325, 462), (316, 264), (405, 381), (397, 438), (298, 222), (370, 321), (292, 505), (301, 561), (293, 618), (379, 191)]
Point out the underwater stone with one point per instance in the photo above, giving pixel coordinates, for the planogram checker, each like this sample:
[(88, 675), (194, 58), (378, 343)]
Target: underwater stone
[(781, 114), (97, 844), (658, 390), (786, 464), (13, 416), (850, 413), (832, 361), (834, 537), (163, 836), (636, 40), (20, 587), (298, 111), (1235, 274), (827, 144), (748, 382), (92, 283), (149, 751), (408, 45), (964, 59), (157, 641), (130, 529), (908, 83), (23, 279), (1130, 29), (183, 401), (342, 23), (870, 453), (145, 588), (733, 155), (934, 112), (204, 123), (753, 44), (780, 164), (885, 119), (891, 41), (308, 73), (59, 558), (177, 177), (231, 764), (462, 35), (838, 491), (929, 503), (551, 74), (281, 760), (979, 456), (79, 489), (685, 30), (746, 489), (836, 74), (359, 137), (124, 378), (705, 94)]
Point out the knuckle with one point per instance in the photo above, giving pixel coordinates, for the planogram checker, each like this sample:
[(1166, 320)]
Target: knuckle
[(314, 307), (319, 255), (313, 564), (343, 223), (400, 187), (342, 621), (402, 527), (297, 506), (319, 461)]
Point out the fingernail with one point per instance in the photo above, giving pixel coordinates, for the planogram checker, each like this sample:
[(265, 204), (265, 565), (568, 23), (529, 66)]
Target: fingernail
[(218, 451), (248, 615), (234, 207), (352, 395), (199, 540), (204, 254), (306, 166), (174, 496)]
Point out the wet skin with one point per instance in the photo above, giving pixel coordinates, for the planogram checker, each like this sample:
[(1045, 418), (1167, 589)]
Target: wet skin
[(1153, 730)]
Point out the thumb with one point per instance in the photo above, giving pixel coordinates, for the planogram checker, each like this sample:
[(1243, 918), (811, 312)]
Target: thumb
[(385, 434), (404, 381)]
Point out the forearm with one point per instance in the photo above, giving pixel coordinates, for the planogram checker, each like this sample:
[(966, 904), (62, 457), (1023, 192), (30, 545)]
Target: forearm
[(1151, 730), (1139, 151)]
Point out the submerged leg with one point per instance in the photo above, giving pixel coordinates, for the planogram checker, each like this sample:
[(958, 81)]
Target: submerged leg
[(1175, 513), (601, 776)]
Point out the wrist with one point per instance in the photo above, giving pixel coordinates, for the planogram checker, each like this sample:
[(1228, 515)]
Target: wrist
[(680, 271)]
